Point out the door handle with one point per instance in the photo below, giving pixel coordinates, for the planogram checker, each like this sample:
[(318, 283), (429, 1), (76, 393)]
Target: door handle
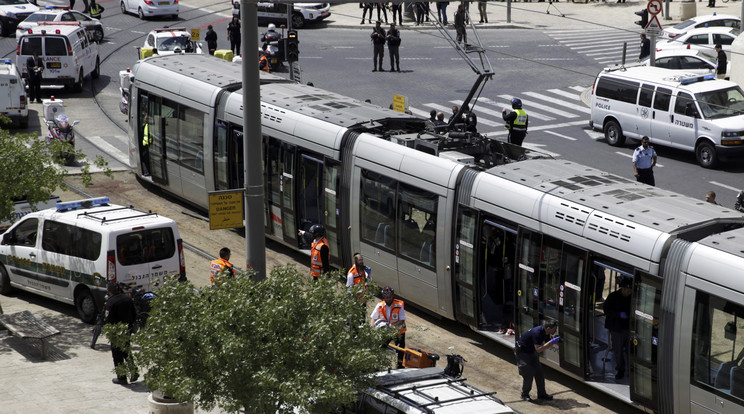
[(671, 118), (157, 267), (32, 255), (653, 114)]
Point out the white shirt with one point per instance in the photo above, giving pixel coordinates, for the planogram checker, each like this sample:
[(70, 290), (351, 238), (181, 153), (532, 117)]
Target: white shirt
[(388, 310)]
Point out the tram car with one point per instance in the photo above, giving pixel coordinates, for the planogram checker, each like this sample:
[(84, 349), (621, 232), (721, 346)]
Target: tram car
[(460, 230)]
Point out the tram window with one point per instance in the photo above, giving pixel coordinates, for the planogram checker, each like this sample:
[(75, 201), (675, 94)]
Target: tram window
[(169, 114), (191, 134), (274, 170), (718, 345), (377, 209), (574, 264), (550, 267), (417, 218), (220, 156)]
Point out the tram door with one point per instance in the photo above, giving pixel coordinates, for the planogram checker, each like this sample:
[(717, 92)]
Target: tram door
[(153, 156), (573, 298), (466, 266), (496, 276), (279, 158), (644, 339), (318, 183)]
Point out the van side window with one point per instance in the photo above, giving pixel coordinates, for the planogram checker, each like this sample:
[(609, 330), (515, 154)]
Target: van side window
[(31, 45), (23, 234), (684, 105), (70, 240), (662, 99), (647, 92), (616, 89), (55, 46)]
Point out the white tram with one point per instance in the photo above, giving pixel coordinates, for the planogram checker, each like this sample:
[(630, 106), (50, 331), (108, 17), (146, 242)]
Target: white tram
[(464, 235)]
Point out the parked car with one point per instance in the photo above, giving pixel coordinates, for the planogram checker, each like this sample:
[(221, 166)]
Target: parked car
[(705, 38), (13, 12), (61, 14), (172, 40), (150, 8), (694, 61), (710, 20)]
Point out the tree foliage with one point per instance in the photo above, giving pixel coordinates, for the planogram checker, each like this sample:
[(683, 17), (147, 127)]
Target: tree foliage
[(30, 169), (268, 346)]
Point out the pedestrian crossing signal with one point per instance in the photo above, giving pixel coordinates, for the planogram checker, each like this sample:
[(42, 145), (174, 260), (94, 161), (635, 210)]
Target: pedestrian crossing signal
[(644, 18), (293, 46)]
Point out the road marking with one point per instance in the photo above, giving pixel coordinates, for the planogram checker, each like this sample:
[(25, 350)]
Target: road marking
[(419, 112), (561, 135), (565, 94), (548, 109), (481, 120), (539, 128), (578, 88), (560, 102), (343, 47), (728, 187), (595, 135), (631, 157), (109, 149)]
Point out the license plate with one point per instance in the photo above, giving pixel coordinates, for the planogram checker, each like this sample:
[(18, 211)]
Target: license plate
[(54, 65), (164, 3)]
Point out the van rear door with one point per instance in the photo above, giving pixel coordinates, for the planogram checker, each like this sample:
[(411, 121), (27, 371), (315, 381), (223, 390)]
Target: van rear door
[(145, 255)]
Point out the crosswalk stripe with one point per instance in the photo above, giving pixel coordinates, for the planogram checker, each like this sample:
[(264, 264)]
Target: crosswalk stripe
[(483, 110), (560, 102), (561, 135), (446, 110), (578, 88), (546, 108), (569, 95), (419, 112), (584, 45), (532, 114), (605, 52), (613, 45)]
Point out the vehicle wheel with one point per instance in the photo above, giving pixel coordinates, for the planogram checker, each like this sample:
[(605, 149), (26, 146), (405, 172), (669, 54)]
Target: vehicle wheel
[(98, 34), (4, 281), (86, 306), (297, 21), (141, 14), (174, 17), (706, 155), (97, 70), (123, 8), (614, 134), (78, 86)]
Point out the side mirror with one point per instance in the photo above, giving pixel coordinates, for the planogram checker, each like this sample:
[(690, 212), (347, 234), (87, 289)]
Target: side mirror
[(75, 122)]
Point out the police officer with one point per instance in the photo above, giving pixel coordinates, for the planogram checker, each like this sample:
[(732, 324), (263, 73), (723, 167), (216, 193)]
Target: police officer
[(516, 122), (390, 312), (378, 45), (644, 161), (119, 308), (221, 267), (721, 62), (211, 39), (393, 41), (529, 345), (645, 47)]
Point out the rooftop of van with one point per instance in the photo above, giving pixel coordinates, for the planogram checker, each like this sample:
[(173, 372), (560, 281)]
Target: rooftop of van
[(100, 212), (668, 77), (7, 67), (58, 28)]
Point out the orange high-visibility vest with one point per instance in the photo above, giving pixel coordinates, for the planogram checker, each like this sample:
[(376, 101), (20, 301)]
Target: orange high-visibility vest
[(263, 63), (316, 265), (358, 278), (394, 315), (217, 266)]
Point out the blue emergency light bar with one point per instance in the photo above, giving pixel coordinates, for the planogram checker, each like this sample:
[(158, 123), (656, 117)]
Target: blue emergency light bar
[(87, 203), (8, 61), (692, 79)]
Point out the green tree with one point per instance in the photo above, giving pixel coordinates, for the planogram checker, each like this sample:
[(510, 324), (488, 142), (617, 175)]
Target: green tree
[(30, 169), (268, 346)]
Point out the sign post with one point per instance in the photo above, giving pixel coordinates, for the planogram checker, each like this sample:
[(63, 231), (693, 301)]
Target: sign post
[(653, 28)]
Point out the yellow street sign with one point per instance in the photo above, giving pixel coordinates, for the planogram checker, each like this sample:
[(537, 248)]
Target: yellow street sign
[(400, 103), (225, 209), (195, 34)]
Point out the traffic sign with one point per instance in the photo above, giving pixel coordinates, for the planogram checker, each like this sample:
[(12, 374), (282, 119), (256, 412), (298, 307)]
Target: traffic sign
[(654, 26), (654, 7)]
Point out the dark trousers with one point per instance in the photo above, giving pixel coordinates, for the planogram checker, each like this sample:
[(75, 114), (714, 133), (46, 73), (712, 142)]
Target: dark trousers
[(235, 46), (145, 155), (442, 12), (462, 35), (119, 357), (212, 47), (381, 6), (619, 340), (646, 176), (530, 368), (398, 8), (516, 137), (379, 53), (34, 88), (394, 58), (367, 6)]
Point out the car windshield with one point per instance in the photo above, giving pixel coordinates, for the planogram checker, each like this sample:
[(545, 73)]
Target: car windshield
[(722, 103), (685, 24), (12, 2), (171, 43), (40, 18)]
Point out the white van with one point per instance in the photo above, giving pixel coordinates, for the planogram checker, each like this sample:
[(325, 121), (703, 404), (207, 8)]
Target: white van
[(691, 112), (302, 13), (13, 102), (67, 50), (69, 253)]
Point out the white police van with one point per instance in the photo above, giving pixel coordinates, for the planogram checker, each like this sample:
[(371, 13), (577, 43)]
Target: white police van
[(690, 112), (67, 50), (69, 253), (13, 103)]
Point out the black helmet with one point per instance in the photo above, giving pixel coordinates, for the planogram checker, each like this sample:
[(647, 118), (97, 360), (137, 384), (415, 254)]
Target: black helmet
[(317, 230), (516, 103), (387, 291)]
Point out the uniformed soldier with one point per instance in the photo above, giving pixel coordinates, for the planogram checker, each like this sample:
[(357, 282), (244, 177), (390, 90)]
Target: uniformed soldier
[(119, 308), (378, 46), (516, 122)]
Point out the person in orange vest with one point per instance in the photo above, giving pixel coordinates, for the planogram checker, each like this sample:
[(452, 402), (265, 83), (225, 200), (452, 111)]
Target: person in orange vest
[(390, 313), (221, 267), (263, 63), (359, 273), (320, 252)]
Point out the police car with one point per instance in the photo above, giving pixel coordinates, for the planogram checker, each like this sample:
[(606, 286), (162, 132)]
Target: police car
[(696, 113), (70, 252), (700, 62), (703, 38), (171, 40), (13, 103), (61, 14), (710, 20), (13, 12)]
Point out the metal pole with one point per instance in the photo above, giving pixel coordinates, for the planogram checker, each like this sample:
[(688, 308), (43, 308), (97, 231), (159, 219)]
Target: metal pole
[(508, 11), (652, 56), (666, 12), (255, 242)]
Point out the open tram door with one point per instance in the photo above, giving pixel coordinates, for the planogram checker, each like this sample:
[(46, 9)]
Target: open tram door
[(552, 286), (150, 140), (317, 201)]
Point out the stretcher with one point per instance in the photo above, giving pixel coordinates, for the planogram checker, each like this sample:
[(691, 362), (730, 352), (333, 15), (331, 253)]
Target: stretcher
[(416, 358)]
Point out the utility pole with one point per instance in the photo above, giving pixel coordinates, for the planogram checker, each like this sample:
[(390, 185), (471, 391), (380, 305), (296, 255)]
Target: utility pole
[(255, 238)]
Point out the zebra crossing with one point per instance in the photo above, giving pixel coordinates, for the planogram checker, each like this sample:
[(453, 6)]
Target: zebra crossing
[(604, 46), (551, 108)]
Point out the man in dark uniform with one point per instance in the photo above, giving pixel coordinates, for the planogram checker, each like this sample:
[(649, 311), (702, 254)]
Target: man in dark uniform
[(119, 308), (721, 62), (462, 35), (529, 345), (211, 39), (617, 322), (516, 122), (645, 47), (393, 41), (34, 67), (378, 43)]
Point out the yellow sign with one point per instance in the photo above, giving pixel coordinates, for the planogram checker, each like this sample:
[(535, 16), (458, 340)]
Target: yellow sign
[(195, 34), (400, 103), (225, 209)]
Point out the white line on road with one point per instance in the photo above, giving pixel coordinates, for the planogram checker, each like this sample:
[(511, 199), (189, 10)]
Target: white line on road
[(533, 114), (545, 108), (569, 95), (109, 149), (631, 156), (725, 186), (561, 135), (578, 88), (540, 128), (560, 102)]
